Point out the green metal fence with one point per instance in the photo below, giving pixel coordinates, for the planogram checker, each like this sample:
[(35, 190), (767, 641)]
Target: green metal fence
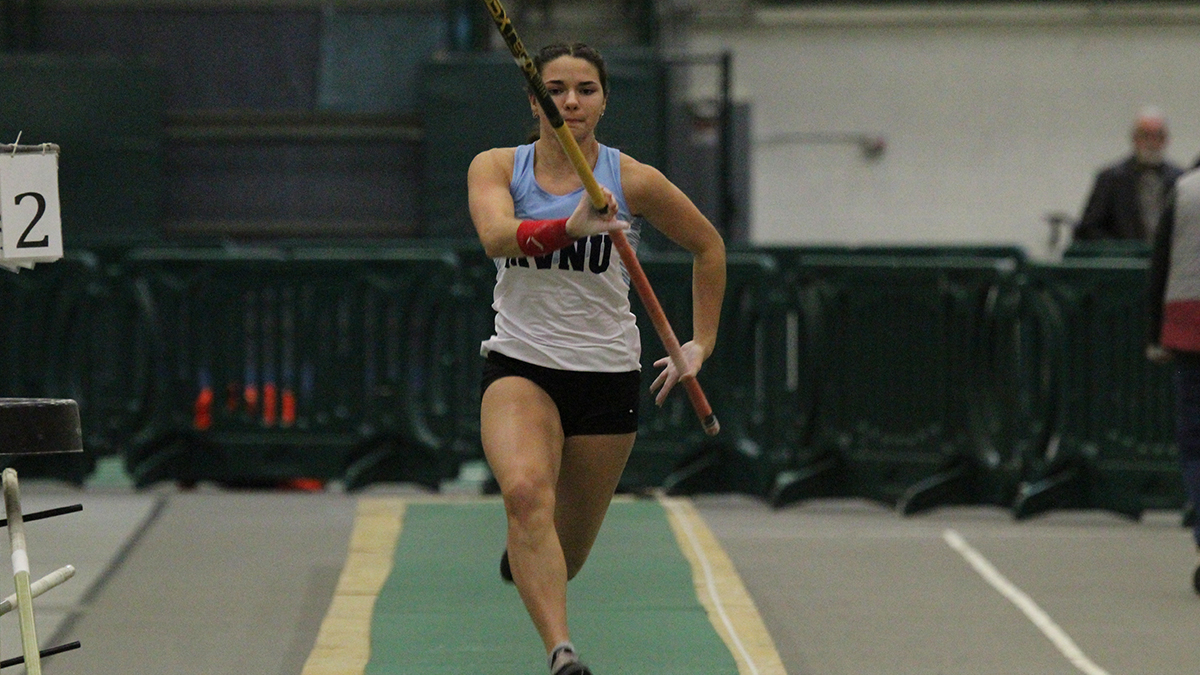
[(42, 311), (1109, 413), (915, 377), (269, 364), (899, 350)]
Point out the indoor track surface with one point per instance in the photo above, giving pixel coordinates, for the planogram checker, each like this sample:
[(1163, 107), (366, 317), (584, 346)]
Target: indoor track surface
[(213, 581)]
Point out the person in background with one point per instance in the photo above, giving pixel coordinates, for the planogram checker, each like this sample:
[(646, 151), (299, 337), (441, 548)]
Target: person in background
[(1127, 197), (1174, 303)]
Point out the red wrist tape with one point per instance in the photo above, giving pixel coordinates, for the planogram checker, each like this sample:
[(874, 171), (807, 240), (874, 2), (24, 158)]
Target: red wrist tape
[(539, 237)]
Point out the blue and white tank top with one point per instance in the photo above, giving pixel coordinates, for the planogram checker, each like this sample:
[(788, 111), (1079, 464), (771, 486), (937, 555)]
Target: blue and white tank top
[(570, 309)]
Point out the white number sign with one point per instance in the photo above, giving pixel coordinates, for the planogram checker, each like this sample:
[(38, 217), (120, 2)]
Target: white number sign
[(30, 222)]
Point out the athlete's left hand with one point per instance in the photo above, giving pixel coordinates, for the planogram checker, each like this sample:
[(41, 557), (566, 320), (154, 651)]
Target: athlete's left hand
[(693, 357), (586, 220)]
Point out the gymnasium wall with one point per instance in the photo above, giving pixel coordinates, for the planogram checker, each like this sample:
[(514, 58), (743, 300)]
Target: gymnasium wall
[(994, 114), (267, 120)]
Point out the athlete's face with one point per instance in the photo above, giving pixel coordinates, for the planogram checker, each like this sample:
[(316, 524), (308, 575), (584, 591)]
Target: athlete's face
[(574, 84)]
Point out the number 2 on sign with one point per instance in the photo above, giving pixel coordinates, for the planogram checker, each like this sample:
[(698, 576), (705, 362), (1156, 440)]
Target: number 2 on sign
[(30, 222), (24, 242)]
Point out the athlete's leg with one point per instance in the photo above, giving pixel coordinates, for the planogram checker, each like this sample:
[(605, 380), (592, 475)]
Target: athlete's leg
[(591, 469), (1187, 433), (522, 440)]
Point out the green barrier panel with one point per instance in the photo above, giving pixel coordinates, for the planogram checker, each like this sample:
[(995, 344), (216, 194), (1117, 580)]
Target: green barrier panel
[(672, 450), (38, 306), (1108, 248), (1110, 443), (270, 364), (1009, 390), (911, 378), (789, 254), (898, 343), (101, 361), (475, 322), (796, 346), (41, 307), (69, 334)]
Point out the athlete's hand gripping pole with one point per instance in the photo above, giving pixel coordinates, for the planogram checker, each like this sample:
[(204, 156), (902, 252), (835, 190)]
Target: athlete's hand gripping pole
[(636, 275)]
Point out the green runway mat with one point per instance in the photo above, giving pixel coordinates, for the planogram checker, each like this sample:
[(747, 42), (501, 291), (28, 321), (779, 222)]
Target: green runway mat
[(633, 609)]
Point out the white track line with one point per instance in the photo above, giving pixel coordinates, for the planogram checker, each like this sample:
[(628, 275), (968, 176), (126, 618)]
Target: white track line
[(710, 582), (1016, 596)]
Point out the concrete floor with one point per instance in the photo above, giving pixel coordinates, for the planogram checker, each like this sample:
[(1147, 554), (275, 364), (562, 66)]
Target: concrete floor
[(851, 588), (212, 581)]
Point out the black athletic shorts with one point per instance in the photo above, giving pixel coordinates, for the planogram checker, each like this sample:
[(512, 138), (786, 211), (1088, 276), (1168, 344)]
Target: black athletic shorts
[(588, 402)]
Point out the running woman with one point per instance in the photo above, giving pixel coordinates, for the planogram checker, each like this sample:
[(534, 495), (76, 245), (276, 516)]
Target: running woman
[(561, 378)]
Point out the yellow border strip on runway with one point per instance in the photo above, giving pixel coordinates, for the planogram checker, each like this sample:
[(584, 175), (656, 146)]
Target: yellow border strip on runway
[(719, 588), (343, 644)]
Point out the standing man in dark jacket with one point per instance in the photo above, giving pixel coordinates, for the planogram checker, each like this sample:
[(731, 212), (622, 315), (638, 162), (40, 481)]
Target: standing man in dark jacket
[(1127, 198), (1174, 303)]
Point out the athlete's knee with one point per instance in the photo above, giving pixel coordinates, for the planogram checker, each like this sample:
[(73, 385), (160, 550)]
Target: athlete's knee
[(529, 502)]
